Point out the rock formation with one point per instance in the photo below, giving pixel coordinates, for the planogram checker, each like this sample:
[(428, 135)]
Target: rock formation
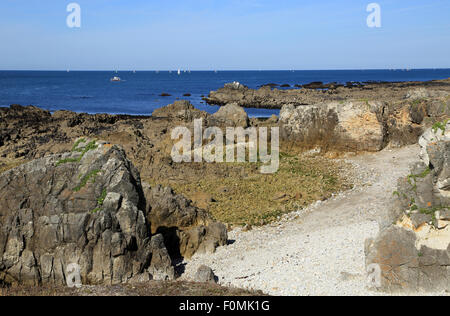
[(84, 207), (181, 110), (187, 229), (230, 115), (205, 274), (414, 252), (268, 97), (351, 126), (362, 125)]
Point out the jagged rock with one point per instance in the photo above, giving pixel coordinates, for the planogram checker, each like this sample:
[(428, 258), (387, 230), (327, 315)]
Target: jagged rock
[(351, 126), (186, 229), (414, 252), (181, 110), (205, 274), (85, 207), (434, 136), (230, 115)]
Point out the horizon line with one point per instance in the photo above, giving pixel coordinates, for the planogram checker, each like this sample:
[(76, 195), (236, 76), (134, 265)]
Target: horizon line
[(221, 70)]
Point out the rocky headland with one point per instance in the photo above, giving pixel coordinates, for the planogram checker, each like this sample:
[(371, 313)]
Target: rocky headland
[(270, 97)]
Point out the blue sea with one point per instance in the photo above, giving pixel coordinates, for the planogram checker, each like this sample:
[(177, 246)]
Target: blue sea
[(139, 92)]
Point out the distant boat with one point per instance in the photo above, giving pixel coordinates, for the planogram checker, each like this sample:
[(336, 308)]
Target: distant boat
[(134, 71), (179, 72), (115, 79)]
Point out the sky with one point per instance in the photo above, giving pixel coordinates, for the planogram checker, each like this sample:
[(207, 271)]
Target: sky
[(223, 35)]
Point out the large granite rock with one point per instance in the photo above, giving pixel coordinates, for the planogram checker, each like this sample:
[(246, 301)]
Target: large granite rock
[(414, 252), (230, 115), (361, 125), (85, 207), (350, 126), (181, 110)]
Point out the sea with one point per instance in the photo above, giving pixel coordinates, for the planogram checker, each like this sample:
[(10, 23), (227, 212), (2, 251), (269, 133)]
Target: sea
[(139, 92)]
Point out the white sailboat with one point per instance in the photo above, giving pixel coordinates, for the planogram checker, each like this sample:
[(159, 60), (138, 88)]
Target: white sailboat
[(179, 72)]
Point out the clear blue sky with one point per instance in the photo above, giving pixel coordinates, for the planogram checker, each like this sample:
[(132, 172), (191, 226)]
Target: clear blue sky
[(224, 34)]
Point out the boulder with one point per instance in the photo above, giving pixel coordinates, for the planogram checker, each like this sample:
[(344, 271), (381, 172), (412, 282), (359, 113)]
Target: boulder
[(187, 229), (350, 126), (181, 110), (235, 86), (85, 207), (205, 274), (395, 252), (423, 93), (437, 135), (230, 115), (414, 252)]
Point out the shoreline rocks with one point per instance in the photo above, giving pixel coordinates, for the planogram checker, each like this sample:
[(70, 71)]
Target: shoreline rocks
[(85, 207), (355, 126), (180, 110), (352, 126), (413, 253), (231, 115), (269, 97)]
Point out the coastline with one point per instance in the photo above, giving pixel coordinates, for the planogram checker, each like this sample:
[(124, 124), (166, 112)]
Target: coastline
[(140, 92)]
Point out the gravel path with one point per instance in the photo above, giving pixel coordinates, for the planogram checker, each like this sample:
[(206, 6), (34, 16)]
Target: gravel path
[(319, 250)]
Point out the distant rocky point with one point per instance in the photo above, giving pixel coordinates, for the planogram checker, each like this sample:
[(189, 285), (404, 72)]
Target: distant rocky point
[(268, 97)]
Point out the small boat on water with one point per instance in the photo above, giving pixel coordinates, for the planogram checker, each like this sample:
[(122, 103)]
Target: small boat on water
[(115, 79)]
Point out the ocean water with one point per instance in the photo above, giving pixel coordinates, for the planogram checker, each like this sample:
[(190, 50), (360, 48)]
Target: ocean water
[(139, 93)]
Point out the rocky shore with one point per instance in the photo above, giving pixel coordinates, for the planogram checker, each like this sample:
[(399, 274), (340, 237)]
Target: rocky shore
[(101, 191), (270, 97)]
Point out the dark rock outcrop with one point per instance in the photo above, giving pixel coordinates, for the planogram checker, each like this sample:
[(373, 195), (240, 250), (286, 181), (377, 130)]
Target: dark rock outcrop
[(83, 207), (88, 207)]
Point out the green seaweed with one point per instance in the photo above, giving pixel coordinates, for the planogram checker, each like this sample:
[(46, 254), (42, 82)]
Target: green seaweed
[(91, 146), (439, 125), (77, 143), (86, 178), (414, 177), (100, 201)]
